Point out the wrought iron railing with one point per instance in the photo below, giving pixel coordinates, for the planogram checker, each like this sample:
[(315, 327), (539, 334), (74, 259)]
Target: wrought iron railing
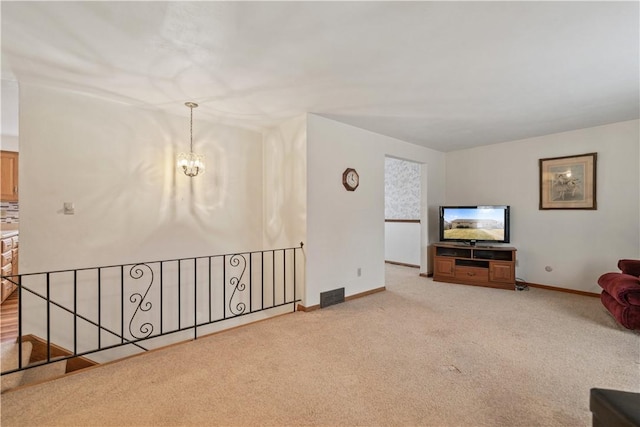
[(92, 310)]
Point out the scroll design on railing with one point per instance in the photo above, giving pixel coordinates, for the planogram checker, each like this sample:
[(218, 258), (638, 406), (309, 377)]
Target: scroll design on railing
[(146, 329), (237, 284)]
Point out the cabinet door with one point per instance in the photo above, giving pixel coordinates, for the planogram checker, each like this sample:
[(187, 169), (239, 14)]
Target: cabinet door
[(9, 176), (501, 272), (444, 267)]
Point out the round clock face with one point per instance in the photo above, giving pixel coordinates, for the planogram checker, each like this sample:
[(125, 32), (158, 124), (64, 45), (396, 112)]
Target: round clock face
[(350, 179)]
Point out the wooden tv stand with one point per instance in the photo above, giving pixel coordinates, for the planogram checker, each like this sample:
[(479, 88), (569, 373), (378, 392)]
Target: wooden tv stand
[(491, 266)]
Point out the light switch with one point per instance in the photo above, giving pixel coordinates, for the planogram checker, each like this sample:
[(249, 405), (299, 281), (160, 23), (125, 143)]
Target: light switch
[(69, 209)]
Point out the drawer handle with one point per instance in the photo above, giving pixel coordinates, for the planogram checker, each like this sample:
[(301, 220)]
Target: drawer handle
[(470, 273)]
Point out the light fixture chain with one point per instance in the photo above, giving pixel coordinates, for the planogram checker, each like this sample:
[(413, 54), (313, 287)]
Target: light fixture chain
[(191, 128), (191, 163)]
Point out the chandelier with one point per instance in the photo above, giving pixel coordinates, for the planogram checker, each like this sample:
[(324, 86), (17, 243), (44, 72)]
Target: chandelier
[(191, 163)]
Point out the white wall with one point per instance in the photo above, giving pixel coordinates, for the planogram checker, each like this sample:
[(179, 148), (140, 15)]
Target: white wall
[(285, 191), (402, 242), (285, 184), (579, 245), (345, 230), (116, 163), (9, 143), (9, 93)]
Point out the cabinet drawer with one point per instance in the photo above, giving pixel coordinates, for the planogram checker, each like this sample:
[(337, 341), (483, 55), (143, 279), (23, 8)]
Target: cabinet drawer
[(7, 289), (473, 274), (7, 244), (6, 270), (15, 240), (7, 257)]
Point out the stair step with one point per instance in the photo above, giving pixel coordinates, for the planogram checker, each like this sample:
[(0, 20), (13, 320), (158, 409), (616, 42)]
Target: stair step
[(43, 351)]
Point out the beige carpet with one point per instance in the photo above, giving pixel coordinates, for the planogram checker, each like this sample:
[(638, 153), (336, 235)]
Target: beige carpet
[(9, 360), (9, 356), (421, 353)]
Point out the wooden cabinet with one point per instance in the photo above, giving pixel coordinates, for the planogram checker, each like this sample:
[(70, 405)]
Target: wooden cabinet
[(494, 267), (9, 176), (445, 267), (14, 254), (9, 259), (502, 272)]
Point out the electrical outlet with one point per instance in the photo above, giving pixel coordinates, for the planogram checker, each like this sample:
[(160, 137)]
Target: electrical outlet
[(359, 271)]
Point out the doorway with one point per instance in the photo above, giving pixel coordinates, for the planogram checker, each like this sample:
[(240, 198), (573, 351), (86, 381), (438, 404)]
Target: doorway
[(403, 212)]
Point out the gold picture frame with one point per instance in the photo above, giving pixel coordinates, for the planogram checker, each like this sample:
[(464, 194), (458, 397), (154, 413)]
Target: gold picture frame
[(568, 182)]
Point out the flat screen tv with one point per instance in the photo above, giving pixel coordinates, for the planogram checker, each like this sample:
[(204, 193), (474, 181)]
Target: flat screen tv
[(474, 224)]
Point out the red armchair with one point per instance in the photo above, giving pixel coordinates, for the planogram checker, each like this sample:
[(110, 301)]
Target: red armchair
[(621, 293)]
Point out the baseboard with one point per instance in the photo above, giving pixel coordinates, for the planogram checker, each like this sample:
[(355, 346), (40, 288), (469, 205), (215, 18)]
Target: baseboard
[(349, 298), (305, 309), (547, 287), (40, 353), (404, 264), (569, 291), (366, 293)]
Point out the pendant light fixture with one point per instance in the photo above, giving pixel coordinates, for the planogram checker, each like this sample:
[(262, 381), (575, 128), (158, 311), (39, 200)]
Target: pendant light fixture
[(191, 163)]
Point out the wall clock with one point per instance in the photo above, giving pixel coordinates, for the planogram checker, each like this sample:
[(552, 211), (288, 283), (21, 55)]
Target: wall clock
[(350, 179)]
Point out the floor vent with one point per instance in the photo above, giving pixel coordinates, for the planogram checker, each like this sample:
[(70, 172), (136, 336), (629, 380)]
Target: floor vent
[(328, 298)]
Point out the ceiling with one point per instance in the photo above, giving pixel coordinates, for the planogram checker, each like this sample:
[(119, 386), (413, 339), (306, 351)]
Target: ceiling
[(444, 75)]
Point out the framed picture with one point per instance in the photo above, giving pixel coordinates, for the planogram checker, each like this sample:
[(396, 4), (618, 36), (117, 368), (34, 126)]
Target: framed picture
[(568, 182)]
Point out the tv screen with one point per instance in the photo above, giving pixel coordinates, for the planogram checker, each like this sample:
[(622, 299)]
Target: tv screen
[(471, 224)]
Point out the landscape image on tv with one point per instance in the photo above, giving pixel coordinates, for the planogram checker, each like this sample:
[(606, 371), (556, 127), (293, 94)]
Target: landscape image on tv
[(474, 224)]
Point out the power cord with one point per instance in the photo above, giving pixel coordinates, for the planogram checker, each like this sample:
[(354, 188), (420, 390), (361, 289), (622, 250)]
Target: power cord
[(521, 285)]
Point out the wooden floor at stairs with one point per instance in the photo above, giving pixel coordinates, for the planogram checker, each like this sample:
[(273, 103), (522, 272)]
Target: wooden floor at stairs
[(34, 351), (9, 334), (9, 319)]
